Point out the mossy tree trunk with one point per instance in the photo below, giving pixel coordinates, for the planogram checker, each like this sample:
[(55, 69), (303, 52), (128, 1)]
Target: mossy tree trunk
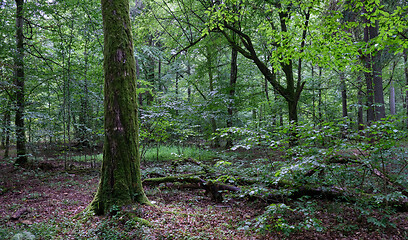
[(120, 182), (19, 86)]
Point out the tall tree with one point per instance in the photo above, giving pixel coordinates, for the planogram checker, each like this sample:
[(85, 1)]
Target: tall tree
[(209, 56), (406, 81), (19, 85), (231, 91), (375, 94), (120, 182), (292, 91), (6, 130), (343, 88)]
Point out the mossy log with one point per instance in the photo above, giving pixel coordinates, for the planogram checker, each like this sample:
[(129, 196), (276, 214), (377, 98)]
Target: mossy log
[(330, 193), (186, 178), (213, 188)]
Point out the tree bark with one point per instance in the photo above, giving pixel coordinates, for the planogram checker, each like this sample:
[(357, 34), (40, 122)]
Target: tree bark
[(6, 130), (392, 99), (369, 81), (216, 141), (120, 182), (343, 94), (19, 86), (406, 81), (360, 112), (378, 85), (375, 93), (231, 92)]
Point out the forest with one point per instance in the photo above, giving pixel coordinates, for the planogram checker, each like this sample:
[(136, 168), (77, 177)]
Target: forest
[(204, 119)]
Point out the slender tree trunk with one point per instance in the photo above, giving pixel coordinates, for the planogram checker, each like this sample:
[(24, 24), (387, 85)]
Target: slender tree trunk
[(216, 141), (392, 90), (69, 79), (319, 97), (120, 182), (159, 80), (378, 86), (370, 95), (231, 92), (140, 96), (177, 90), (19, 84), (344, 102), (3, 130), (360, 111), (343, 94), (84, 118), (406, 81), (392, 98), (6, 130), (369, 83), (7, 136), (3, 126), (150, 74), (313, 96)]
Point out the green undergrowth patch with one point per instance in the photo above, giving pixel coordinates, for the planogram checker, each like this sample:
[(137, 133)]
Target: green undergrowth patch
[(173, 152), (88, 158), (151, 154)]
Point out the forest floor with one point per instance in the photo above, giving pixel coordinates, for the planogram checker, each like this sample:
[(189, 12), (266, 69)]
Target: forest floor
[(43, 200)]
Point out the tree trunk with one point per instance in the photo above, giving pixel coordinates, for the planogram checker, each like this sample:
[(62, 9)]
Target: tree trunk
[(84, 117), (3, 130), (406, 81), (378, 86), (150, 74), (19, 85), (343, 94), (231, 92), (140, 96), (375, 93), (392, 99), (369, 81), (6, 130), (216, 141), (320, 100), (293, 116), (360, 113), (120, 182)]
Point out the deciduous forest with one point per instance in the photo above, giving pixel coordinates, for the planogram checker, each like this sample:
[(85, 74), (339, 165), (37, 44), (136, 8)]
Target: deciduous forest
[(203, 119)]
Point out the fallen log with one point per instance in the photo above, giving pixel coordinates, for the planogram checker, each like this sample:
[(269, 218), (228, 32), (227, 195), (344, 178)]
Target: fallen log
[(212, 187), (334, 193)]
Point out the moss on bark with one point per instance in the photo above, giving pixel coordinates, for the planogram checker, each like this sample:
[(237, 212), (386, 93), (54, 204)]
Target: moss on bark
[(120, 182)]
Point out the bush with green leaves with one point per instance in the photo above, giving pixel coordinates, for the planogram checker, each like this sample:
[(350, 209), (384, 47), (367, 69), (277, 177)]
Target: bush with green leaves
[(371, 164), (284, 219)]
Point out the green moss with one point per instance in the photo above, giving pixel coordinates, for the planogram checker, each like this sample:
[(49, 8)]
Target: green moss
[(120, 182)]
